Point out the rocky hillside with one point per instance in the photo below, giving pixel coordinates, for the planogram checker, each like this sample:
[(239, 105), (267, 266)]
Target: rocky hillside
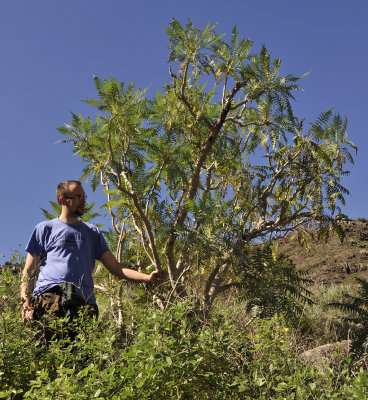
[(333, 261)]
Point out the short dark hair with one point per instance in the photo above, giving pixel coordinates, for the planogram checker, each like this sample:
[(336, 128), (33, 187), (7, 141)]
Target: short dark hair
[(63, 188)]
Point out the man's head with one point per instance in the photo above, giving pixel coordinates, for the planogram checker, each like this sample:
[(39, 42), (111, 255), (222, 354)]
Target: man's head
[(70, 195), (62, 188)]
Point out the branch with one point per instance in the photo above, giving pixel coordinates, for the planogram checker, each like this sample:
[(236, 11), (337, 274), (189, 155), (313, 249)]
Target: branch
[(144, 240), (268, 189), (275, 225), (133, 196), (120, 242), (210, 281), (262, 199), (254, 123), (114, 163), (194, 115), (148, 228), (176, 284), (113, 215), (154, 185), (222, 288), (208, 180), (224, 90), (184, 78), (102, 288), (173, 76), (194, 183), (183, 97), (226, 107)]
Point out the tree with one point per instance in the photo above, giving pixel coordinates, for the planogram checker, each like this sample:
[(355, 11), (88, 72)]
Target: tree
[(216, 162)]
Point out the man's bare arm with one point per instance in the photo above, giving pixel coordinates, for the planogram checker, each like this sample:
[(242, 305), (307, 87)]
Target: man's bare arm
[(117, 269), (27, 285)]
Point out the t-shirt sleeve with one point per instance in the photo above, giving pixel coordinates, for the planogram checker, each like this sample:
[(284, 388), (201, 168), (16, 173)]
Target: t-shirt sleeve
[(35, 245), (101, 246)]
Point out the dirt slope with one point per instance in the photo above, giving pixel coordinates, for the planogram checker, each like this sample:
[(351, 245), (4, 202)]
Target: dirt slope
[(333, 261)]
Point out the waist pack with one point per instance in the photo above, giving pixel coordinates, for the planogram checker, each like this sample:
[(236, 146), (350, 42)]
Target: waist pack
[(62, 301), (68, 295), (69, 301)]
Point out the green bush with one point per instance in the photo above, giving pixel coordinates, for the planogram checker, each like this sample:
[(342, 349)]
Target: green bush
[(320, 323), (168, 354)]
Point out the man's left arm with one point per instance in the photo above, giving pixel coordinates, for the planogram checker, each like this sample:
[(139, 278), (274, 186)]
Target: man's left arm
[(117, 269)]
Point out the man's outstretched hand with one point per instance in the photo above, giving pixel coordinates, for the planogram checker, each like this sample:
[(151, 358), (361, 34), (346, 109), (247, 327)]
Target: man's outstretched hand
[(157, 277)]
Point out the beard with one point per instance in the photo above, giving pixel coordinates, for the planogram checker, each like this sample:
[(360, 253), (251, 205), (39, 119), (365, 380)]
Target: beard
[(79, 211)]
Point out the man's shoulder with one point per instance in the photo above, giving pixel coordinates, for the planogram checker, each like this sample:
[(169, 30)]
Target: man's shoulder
[(50, 223), (90, 227), (87, 225)]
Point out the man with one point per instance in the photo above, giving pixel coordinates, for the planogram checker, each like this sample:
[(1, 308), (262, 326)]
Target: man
[(66, 248)]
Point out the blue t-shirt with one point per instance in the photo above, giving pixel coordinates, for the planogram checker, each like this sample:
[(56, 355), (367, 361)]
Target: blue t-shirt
[(71, 251)]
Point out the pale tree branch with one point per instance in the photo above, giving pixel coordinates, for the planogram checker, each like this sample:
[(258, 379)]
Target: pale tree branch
[(148, 228), (262, 199), (222, 288), (120, 243), (224, 90), (176, 283), (278, 226), (143, 238), (154, 257), (111, 211)]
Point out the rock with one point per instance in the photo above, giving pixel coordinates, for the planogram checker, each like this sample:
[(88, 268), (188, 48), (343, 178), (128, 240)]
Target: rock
[(349, 268), (342, 217), (363, 236), (326, 355), (346, 268)]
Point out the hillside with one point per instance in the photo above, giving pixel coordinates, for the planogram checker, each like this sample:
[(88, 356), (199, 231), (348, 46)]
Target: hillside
[(333, 261)]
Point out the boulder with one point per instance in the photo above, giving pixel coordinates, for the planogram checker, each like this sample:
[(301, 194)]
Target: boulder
[(326, 355)]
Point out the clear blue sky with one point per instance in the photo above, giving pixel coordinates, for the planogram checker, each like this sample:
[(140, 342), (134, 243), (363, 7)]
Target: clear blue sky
[(50, 49)]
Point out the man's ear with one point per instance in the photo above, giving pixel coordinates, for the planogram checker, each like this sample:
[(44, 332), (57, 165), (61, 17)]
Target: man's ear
[(62, 201)]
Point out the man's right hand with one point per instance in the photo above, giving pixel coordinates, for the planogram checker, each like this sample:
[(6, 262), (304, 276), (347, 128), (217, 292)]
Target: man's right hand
[(27, 313), (26, 286)]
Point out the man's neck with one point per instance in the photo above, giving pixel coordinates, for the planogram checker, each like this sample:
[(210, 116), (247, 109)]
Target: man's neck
[(69, 219)]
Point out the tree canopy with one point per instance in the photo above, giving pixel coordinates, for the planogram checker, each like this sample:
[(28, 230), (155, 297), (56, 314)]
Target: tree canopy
[(213, 164)]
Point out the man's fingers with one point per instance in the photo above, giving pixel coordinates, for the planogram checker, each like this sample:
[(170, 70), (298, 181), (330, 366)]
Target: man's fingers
[(27, 314)]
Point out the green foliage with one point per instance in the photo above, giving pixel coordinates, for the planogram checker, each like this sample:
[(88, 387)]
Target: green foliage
[(357, 308), (322, 321), (163, 355), (15, 354), (272, 284)]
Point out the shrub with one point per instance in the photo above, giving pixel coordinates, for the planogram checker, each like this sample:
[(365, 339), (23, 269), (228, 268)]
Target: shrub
[(163, 355)]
